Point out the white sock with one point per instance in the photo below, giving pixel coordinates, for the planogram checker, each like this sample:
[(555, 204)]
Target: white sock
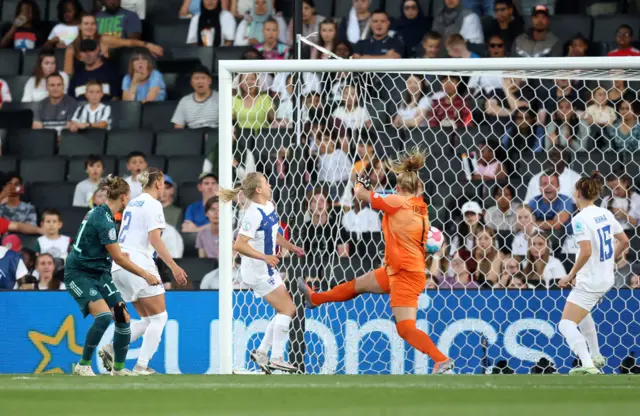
[(280, 335), (139, 327), (588, 330), (152, 337), (267, 339), (576, 341)]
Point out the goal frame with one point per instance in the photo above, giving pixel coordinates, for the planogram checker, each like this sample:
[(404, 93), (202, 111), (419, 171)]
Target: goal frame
[(226, 73)]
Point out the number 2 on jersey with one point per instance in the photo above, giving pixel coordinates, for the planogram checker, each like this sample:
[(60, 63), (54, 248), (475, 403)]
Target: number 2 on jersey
[(606, 243), (126, 222)]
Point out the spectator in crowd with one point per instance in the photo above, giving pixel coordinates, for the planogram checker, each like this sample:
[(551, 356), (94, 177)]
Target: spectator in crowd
[(191, 8), (172, 213), (89, 30), (558, 165), (344, 50), (284, 113), (566, 129), (509, 267), (241, 8), (213, 26), (334, 166), (457, 47), (249, 31), (55, 111), (12, 266), (620, 91), (26, 282), (36, 87), (565, 89), (45, 269), (599, 114), (524, 133), (310, 22), (634, 282), (488, 168), (454, 18), (195, 218), (207, 241), (508, 24), (412, 111), (365, 154), (115, 21), (211, 280), (541, 268), (497, 46), (85, 189), (52, 242), (538, 42), (380, 45), (458, 276), (503, 215), (270, 48), (350, 113), (625, 133), (5, 92), (487, 257), (66, 31), (411, 25), (578, 46), (377, 174), (464, 238), (143, 81), (12, 207), (449, 108), (624, 201), (136, 163), (135, 6), (357, 26), (519, 94), (490, 86), (328, 39), (524, 229), (200, 108), (251, 108), (94, 114), (430, 46), (551, 210), (27, 30), (174, 242), (94, 69), (624, 36)]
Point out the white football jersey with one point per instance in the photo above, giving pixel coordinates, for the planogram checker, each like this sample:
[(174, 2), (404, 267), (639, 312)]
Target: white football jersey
[(142, 215), (598, 226), (260, 223)]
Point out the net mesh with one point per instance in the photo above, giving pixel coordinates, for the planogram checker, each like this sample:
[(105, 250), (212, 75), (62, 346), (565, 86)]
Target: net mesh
[(491, 301)]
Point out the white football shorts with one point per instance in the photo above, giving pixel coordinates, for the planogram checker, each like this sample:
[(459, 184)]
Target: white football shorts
[(133, 287), (586, 300), (264, 284)]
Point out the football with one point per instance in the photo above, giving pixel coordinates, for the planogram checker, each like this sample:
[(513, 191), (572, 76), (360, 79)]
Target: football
[(434, 240)]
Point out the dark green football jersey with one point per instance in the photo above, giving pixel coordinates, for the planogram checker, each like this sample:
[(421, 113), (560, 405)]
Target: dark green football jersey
[(97, 230)]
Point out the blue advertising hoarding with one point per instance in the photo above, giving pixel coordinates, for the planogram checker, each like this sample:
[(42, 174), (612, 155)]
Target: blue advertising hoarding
[(43, 332)]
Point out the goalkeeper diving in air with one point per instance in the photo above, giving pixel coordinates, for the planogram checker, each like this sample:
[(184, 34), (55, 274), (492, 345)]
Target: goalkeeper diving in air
[(405, 226)]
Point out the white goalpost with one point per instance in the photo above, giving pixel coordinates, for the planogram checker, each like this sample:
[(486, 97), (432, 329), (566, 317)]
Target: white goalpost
[(478, 327)]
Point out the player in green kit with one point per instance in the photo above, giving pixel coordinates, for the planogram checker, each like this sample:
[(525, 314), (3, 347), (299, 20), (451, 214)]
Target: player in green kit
[(87, 276)]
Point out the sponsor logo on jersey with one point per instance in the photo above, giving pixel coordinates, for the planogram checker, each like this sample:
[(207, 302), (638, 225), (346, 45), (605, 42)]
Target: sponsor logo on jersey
[(579, 228), (112, 234)]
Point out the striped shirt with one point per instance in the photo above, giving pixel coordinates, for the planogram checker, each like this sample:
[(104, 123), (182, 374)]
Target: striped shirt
[(195, 114), (84, 114)]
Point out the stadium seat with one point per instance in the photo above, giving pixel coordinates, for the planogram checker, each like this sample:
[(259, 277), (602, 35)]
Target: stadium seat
[(197, 268), (189, 241), (204, 55), (170, 82), (185, 168), (162, 9), (51, 195), (8, 164), (32, 143), (125, 114), (171, 33), (29, 61), (179, 143), (188, 194), (229, 53), (601, 48), (566, 26), (604, 27), (71, 219), (10, 59), (43, 169), (123, 142), (152, 161), (343, 7), (157, 116), (76, 171), (16, 86), (210, 140), (90, 142)]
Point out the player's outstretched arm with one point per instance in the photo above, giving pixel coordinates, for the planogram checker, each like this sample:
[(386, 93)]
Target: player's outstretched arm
[(155, 238), (621, 246), (581, 260), (24, 228), (123, 261), (242, 246), (287, 245)]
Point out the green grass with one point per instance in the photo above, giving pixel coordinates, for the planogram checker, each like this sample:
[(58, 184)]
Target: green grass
[(248, 395)]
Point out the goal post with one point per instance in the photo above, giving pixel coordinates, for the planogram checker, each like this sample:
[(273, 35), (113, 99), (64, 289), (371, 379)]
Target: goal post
[(328, 359)]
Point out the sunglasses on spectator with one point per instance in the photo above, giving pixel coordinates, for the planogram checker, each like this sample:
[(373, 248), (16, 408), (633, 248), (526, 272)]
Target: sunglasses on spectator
[(496, 45)]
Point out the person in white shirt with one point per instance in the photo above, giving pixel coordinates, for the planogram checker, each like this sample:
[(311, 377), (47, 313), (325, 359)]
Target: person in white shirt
[(52, 242), (350, 113), (213, 26), (64, 33), (36, 87), (139, 7), (94, 114), (136, 163), (256, 242), (524, 227), (568, 177), (85, 189), (5, 92), (249, 31), (540, 267), (624, 202), (602, 242), (140, 237)]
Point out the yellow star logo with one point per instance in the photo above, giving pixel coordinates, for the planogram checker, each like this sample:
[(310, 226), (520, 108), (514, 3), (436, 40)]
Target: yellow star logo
[(39, 340)]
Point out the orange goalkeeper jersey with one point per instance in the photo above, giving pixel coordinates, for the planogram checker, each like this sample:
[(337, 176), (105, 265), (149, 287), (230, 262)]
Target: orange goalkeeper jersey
[(405, 226)]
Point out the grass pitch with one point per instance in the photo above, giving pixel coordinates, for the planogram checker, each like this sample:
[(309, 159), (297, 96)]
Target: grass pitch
[(184, 395)]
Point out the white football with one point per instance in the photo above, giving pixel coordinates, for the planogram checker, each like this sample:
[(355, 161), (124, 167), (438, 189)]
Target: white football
[(434, 240)]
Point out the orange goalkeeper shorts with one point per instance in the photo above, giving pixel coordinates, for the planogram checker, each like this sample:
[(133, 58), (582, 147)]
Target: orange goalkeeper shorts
[(403, 288)]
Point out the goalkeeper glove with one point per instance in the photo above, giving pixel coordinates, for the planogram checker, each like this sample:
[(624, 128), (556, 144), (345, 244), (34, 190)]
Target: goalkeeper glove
[(364, 181)]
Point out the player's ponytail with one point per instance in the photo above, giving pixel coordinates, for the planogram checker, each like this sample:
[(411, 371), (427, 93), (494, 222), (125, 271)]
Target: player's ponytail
[(590, 187), (148, 177), (249, 185), (406, 169), (115, 187)]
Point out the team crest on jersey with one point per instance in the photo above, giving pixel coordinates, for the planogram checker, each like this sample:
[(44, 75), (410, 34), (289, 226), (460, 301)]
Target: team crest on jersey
[(112, 234), (160, 218), (93, 292), (579, 228), (246, 226)]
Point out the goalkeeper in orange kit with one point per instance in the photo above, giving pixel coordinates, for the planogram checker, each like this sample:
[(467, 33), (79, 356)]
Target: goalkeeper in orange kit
[(405, 226)]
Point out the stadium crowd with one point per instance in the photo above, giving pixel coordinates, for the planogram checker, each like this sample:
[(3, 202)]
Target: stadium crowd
[(110, 86)]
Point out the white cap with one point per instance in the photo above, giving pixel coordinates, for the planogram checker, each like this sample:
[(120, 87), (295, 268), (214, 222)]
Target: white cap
[(471, 206)]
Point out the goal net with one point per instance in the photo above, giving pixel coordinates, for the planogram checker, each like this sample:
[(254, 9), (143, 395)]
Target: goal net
[(501, 135)]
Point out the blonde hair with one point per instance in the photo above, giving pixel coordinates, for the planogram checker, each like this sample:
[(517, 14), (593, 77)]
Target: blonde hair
[(249, 185), (149, 176), (115, 187), (406, 169)]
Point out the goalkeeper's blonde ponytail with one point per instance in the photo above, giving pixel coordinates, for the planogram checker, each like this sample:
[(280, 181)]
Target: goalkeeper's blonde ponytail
[(406, 169)]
